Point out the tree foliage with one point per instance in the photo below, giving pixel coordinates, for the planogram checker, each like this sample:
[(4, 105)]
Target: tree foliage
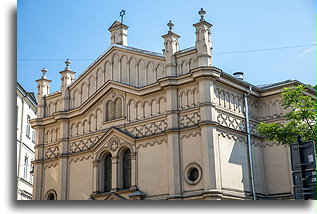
[(300, 118)]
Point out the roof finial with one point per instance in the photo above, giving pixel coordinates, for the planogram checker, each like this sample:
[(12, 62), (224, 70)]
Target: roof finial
[(43, 71), (170, 25), (202, 13), (122, 13), (67, 62)]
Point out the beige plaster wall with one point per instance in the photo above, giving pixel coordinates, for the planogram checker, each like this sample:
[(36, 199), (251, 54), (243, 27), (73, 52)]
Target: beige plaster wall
[(80, 177), (191, 153), (152, 167), (51, 173), (277, 169), (234, 163)]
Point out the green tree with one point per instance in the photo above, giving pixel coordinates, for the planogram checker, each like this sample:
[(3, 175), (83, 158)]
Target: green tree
[(300, 118)]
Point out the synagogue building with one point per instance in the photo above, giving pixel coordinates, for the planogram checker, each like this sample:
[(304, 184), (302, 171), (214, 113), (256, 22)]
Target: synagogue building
[(140, 125)]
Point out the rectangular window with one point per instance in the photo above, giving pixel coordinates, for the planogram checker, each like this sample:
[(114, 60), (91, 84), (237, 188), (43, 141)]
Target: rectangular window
[(26, 161), (33, 135), (28, 126)]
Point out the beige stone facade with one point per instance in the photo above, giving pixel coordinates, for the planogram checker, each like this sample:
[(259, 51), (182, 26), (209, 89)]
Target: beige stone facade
[(143, 125)]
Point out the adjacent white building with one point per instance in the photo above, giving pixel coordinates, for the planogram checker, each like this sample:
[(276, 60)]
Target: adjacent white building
[(26, 110)]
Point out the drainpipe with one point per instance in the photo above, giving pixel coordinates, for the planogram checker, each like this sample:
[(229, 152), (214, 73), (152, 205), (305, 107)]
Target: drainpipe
[(249, 141)]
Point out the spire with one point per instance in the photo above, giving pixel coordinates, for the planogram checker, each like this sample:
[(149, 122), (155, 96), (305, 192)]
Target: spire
[(203, 42), (43, 85), (170, 47), (67, 76)]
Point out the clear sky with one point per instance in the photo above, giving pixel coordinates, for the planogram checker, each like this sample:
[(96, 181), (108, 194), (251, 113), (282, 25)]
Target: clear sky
[(51, 31)]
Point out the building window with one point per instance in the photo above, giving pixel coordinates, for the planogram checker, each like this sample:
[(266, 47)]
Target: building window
[(51, 195), (25, 173), (114, 109), (107, 173), (126, 169), (28, 126), (33, 135), (193, 173)]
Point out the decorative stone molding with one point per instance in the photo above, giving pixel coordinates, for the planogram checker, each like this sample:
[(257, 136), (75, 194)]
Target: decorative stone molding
[(188, 98), (82, 145), (74, 160), (190, 135), (48, 166), (51, 152), (231, 122), (157, 142), (188, 120), (233, 137), (148, 129)]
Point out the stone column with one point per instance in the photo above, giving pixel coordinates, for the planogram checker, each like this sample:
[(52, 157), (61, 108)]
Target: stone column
[(133, 170), (174, 167), (95, 177), (115, 173)]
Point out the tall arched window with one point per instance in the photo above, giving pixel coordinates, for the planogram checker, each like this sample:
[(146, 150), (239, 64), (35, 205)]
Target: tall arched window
[(110, 110), (118, 105), (114, 109), (107, 173), (126, 169)]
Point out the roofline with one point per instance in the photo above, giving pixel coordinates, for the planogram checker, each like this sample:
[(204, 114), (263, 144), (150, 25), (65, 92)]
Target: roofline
[(27, 94)]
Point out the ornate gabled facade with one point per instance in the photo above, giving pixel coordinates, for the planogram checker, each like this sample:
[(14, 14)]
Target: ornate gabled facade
[(143, 125)]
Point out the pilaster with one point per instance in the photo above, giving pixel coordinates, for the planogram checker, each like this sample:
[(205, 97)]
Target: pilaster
[(38, 165), (174, 168), (209, 138), (63, 160)]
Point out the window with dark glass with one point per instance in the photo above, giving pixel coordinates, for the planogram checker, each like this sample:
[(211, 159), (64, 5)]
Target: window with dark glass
[(107, 173), (126, 169), (193, 174), (28, 126), (51, 196), (114, 109)]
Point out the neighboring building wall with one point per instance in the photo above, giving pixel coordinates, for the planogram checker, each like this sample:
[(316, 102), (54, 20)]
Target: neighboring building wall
[(26, 137)]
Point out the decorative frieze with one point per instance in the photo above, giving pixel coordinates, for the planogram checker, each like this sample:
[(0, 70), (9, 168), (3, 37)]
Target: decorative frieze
[(152, 143), (82, 145), (51, 152), (149, 129), (188, 120)]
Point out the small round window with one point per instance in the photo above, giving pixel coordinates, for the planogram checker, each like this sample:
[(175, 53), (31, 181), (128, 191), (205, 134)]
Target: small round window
[(193, 173)]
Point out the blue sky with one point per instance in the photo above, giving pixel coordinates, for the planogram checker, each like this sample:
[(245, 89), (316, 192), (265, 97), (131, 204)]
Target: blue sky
[(51, 31)]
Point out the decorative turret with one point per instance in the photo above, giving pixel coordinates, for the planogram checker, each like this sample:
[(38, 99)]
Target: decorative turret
[(67, 76), (119, 33), (170, 47), (43, 88), (203, 41)]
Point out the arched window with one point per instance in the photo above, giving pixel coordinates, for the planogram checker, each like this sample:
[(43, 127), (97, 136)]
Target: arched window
[(110, 110), (126, 169), (118, 103), (114, 109), (107, 173), (51, 196)]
